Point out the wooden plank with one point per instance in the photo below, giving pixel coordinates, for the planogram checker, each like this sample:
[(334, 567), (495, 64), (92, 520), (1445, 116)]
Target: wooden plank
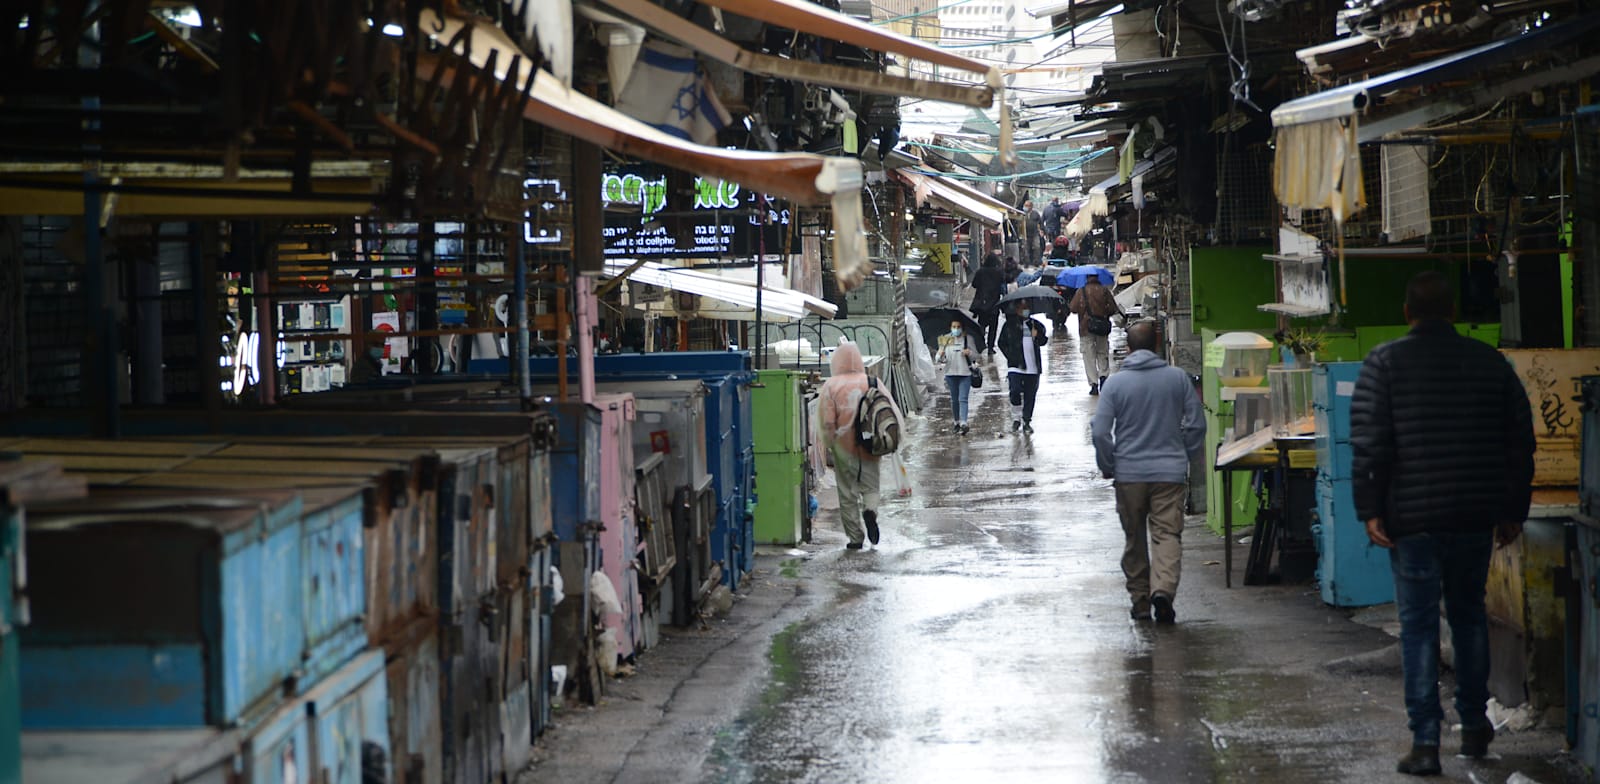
[(96, 446), (119, 463)]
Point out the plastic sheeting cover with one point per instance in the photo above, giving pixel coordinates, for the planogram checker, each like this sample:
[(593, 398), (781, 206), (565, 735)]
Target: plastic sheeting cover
[(921, 361)]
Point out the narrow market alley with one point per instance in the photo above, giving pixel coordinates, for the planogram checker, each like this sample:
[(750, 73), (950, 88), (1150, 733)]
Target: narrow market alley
[(987, 638)]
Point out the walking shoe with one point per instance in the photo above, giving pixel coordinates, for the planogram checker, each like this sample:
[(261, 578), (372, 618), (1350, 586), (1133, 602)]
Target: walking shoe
[(870, 519), (964, 429), (1027, 426), (955, 428), (1163, 607), (1422, 761), (1016, 424), (853, 546), (1475, 743), (1102, 382), (1140, 611), (1094, 389)]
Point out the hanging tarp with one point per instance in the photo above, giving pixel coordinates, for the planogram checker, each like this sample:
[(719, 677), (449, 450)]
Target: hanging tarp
[(1317, 165)]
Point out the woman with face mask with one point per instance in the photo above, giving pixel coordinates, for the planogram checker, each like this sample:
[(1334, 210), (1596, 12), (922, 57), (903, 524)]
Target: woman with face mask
[(958, 350)]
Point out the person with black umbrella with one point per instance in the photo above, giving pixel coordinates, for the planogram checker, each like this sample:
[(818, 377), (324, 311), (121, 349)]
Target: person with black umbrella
[(1020, 341)]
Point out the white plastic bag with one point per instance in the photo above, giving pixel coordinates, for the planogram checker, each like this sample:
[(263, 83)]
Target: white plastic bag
[(898, 478), (604, 594)]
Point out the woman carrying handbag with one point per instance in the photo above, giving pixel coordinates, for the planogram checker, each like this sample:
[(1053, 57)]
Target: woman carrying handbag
[(959, 352)]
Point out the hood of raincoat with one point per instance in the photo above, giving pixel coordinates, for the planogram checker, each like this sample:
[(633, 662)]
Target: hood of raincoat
[(839, 396), (847, 359)]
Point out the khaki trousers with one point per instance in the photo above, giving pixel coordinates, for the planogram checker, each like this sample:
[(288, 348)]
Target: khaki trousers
[(857, 480), (1096, 351), (1152, 528)]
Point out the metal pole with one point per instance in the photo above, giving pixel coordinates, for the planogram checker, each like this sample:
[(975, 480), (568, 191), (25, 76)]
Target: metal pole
[(103, 385), (519, 308), (587, 320), (761, 284)]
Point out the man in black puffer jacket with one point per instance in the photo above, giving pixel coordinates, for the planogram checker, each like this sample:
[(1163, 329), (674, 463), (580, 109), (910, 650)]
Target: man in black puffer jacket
[(1442, 439)]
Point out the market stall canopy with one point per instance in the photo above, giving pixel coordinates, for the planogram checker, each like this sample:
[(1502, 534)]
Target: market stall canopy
[(775, 301), (955, 196), (812, 18), (716, 47), (804, 178), (1469, 65)]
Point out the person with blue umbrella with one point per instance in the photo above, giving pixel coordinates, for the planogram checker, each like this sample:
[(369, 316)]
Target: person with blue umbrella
[(1095, 306)]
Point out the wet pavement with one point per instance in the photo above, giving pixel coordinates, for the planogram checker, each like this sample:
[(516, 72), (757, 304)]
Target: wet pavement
[(987, 638)]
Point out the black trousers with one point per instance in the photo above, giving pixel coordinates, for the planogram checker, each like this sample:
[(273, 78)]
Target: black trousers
[(1024, 388), (990, 321)]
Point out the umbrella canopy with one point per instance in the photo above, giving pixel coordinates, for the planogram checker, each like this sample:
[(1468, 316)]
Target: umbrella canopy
[(936, 321), (1031, 292), (1075, 277), (943, 316)]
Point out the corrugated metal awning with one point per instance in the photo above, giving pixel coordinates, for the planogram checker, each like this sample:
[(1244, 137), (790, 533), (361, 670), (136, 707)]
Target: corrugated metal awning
[(958, 197), (1349, 99)]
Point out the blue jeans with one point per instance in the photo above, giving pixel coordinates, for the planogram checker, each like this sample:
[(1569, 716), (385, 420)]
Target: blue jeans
[(960, 387), (1454, 566)]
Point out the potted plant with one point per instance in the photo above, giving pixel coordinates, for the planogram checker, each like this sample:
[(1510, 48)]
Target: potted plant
[(1303, 344)]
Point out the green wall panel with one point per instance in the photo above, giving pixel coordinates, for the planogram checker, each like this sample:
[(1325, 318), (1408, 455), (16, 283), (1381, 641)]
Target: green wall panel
[(1228, 283)]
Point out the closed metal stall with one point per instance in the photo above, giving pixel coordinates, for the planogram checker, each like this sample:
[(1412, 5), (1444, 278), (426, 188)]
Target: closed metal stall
[(1351, 570), (21, 483), (729, 437), (334, 733), (115, 610)]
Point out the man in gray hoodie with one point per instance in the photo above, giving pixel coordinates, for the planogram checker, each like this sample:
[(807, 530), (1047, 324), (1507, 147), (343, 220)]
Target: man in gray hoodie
[(1148, 426)]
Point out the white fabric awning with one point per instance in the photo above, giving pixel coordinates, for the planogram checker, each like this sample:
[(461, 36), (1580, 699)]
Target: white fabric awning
[(958, 197), (776, 302)]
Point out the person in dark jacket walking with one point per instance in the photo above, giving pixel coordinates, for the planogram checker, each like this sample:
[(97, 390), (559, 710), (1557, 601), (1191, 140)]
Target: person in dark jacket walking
[(1033, 239), (1052, 218), (1020, 342), (1441, 434), (1147, 429), (989, 285)]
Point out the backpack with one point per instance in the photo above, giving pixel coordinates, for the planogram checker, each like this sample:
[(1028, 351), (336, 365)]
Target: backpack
[(877, 427)]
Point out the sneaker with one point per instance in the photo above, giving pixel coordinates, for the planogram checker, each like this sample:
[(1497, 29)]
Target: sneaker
[(1140, 611), (1422, 761), (1475, 743), (870, 519), (853, 546), (1102, 382), (1162, 604), (963, 429), (1016, 424), (1094, 389), (955, 428), (1027, 427)]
